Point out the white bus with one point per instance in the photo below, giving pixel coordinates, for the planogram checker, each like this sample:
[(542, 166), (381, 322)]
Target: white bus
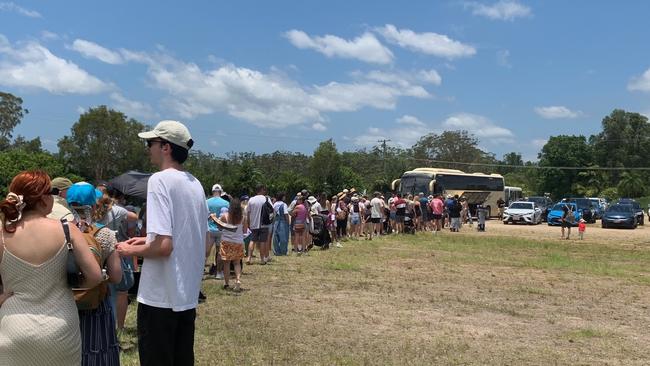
[(477, 188), (511, 194)]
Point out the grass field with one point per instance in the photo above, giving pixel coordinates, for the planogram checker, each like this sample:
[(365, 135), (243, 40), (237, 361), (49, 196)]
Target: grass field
[(421, 300)]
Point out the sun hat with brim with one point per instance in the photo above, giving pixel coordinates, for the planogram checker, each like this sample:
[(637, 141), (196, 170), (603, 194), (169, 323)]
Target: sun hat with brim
[(172, 131), (311, 199), (83, 194), (61, 183), (217, 188), (341, 195), (355, 199)]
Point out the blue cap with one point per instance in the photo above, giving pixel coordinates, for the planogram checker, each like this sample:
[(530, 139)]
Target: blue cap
[(83, 194), (243, 198)]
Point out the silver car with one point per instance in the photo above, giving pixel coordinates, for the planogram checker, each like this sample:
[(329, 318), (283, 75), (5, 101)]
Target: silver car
[(523, 213)]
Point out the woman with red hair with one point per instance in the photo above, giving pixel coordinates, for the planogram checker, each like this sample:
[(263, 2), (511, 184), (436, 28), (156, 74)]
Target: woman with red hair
[(39, 323)]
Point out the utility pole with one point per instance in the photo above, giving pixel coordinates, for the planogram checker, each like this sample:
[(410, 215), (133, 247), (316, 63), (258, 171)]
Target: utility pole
[(383, 144)]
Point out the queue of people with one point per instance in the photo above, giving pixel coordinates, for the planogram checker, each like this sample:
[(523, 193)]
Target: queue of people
[(54, 231)]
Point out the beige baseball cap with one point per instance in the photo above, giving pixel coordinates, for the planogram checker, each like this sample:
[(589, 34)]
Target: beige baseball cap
[(172, 131), (61, 183)]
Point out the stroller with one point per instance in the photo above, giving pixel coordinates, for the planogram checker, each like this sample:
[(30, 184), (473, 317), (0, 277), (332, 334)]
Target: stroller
[(320, 236), (409, 225)]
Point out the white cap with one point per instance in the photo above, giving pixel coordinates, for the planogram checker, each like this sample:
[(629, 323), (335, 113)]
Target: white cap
[(172, 131), (217, 187), (311, 199)]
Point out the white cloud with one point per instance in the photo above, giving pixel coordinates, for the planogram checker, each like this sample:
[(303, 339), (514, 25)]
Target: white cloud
[(93, 50), (557, 112), (49, 36), (264, 99), (539, 143), (132, 108), (319, 127), (410, 120), (403, 137), (641, 83), (364, 48), (501, 10), (431, 76), (11, 7), (81, 110), (33, 66), (503, 58), (479, 126), (428, 43)]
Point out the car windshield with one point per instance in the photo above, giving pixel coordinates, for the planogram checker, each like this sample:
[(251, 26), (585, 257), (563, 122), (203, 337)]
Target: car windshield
[(522, 205), (620, 208)]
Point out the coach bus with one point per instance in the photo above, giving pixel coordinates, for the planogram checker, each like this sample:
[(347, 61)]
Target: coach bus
[(477, 188)]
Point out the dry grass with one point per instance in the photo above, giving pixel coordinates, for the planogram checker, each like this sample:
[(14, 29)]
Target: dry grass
[(462, 298)]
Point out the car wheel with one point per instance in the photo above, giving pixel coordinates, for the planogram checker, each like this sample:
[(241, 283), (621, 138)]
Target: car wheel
[(603, 225)]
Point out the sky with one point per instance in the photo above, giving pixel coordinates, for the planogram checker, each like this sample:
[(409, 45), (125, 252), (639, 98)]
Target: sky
[(263, 76)]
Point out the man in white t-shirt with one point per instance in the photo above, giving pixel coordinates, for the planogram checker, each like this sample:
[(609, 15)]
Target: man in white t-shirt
[(376, 212), (259, 230), (174, 251)]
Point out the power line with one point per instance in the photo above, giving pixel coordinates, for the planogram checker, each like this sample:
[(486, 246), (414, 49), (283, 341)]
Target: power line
[(536, 166)]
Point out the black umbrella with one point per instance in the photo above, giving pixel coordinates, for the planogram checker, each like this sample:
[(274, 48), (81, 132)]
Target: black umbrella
[(132, 183)]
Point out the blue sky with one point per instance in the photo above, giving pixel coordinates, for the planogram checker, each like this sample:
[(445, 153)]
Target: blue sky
[(284, 75)]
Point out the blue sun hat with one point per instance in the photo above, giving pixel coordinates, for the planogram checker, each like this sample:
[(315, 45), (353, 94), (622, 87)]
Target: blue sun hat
[(83, 194)]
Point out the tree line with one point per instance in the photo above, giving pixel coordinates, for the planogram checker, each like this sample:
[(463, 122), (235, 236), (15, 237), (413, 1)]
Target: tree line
[(103, 143)]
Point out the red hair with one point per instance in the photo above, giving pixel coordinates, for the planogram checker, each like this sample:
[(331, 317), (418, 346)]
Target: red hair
[(32, 185)]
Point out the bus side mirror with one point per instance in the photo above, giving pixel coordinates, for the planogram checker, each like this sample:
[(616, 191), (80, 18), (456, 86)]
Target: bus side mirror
[(432, 183), (395, 184)]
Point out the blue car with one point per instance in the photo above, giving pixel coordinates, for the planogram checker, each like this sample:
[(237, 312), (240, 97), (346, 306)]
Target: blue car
[(555, 215)]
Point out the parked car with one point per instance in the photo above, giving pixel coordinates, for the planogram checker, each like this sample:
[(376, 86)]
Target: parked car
[(584, 206), (522, 212), (640, 215), (556, 213), (597, 208), (620, 215), (543, 202)]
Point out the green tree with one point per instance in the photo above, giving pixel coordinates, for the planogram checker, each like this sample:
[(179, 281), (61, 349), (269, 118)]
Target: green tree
[(104, 144), (14, 161), (454, 148), (11, 113), (631, 185), (324, 168), (563, 151)]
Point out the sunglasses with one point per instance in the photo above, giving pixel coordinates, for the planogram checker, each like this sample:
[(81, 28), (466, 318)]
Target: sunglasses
[(151, 142), (55, 191)]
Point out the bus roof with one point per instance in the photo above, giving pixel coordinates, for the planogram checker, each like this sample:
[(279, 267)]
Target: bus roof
[(433, 171)]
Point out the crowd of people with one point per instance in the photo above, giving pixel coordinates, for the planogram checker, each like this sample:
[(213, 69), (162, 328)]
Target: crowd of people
[(55, 231)]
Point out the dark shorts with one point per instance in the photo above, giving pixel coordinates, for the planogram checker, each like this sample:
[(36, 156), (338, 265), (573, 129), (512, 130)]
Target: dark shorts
[(165, 337), (399, 218), (566, 224), (436, 216), (375, 220), (260, 235)]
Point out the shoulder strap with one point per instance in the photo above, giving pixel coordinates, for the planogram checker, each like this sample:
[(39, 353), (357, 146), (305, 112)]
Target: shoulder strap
[(66, 232)]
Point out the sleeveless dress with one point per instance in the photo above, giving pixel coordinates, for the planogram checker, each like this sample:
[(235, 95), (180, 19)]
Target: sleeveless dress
[(39, 324)]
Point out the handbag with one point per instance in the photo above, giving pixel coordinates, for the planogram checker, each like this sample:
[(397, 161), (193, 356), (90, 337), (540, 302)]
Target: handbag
[(73, 273)]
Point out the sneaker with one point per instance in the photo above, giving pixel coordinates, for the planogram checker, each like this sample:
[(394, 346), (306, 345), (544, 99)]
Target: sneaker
[(219, 276), (202, 297), (237, 287), (338, 245), (226, 287)]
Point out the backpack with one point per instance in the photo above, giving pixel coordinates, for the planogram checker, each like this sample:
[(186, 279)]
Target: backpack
[(267, 213), (570, 218), (90, 298)]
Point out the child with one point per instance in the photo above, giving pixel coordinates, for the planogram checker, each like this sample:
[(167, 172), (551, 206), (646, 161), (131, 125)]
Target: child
[(581, 228), (232, 242), (481, 212)]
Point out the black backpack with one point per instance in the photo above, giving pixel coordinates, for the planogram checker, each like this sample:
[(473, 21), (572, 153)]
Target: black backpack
[(267, 213)]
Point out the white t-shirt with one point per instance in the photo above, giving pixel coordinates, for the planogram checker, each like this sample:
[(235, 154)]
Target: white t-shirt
[(316, 208), (255, 211), (176, 207), (376, 207), (277, 205)]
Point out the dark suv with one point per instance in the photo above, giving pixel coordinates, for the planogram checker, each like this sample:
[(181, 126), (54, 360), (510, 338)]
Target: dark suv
[(543, 202), (640, 217)]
